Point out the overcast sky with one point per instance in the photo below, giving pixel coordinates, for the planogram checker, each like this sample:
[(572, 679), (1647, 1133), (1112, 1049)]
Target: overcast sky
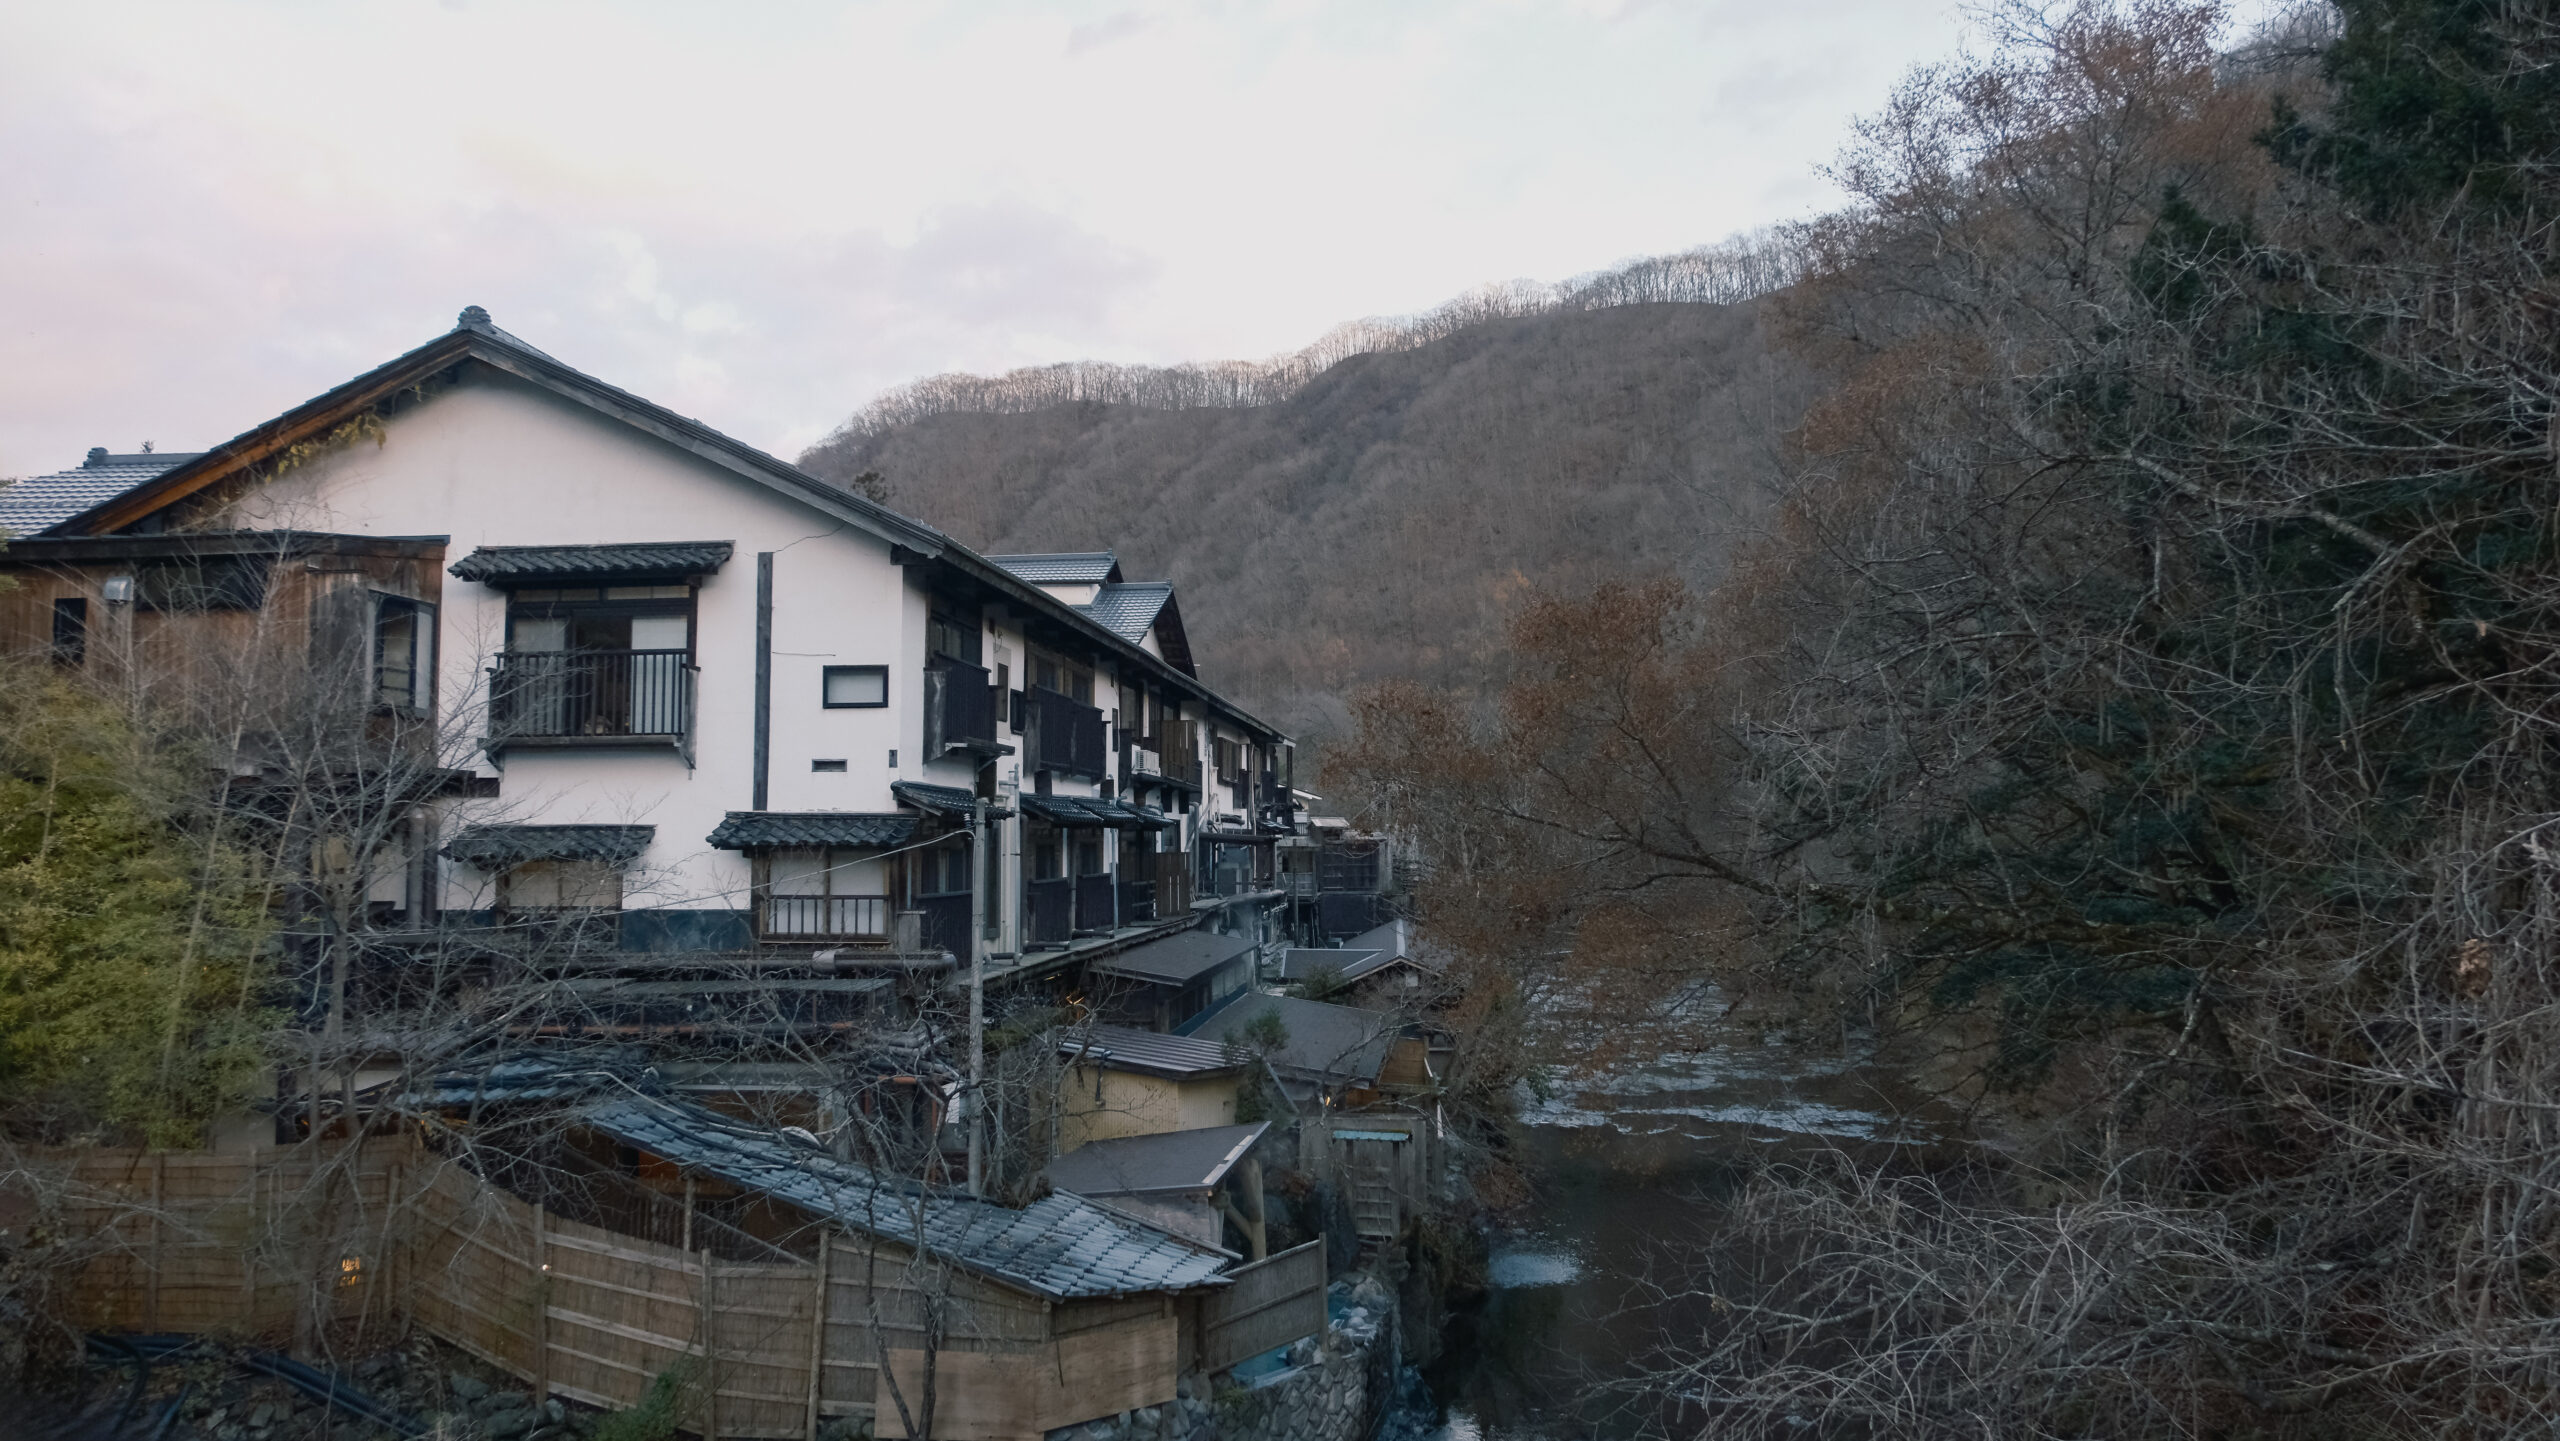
[(764, 213)]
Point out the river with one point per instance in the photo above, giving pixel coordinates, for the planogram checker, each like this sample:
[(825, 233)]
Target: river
[(1624, 1165)]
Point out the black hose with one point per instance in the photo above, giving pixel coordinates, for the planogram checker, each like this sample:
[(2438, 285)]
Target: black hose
[(140, 1384), (324, 1387), (169, 1413)]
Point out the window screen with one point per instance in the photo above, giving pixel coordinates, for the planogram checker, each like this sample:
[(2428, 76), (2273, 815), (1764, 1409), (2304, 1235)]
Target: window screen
[(850, 686)]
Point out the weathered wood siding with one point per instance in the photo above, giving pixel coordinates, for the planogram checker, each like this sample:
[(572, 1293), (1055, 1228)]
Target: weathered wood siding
[(276, 1244), (1272, 1303)]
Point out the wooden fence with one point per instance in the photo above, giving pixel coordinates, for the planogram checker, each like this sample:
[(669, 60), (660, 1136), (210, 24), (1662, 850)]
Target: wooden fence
[(1272, 1303), (292, 1242)]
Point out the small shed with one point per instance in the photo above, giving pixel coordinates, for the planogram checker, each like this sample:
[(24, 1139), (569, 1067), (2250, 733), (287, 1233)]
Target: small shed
[(1120, 1081), (1189, 1182), (1163, 983)]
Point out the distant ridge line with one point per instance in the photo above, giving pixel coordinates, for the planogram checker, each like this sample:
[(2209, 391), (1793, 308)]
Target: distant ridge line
[(1728, 272)]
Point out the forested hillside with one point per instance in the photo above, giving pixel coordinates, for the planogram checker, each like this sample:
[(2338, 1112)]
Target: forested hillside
[(1383, 517)]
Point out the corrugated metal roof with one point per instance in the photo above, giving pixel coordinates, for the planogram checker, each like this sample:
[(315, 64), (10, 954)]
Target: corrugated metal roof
[(1125, 1048), (564, 562), (496, 847), (37, 501), (742, 829), (1177, 959), (1060, 1246), (1090, 567), (1168, 1161), (1129, 610), (1091, 811)]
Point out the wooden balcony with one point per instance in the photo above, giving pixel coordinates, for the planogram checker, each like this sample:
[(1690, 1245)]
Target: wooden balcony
[(825, 918), (1097, 903), (1065, 734), (959, 709)]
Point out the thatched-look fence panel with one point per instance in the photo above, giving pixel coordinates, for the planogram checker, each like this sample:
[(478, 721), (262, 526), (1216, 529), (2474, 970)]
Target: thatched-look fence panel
[(284, 1244), (271, 1245)]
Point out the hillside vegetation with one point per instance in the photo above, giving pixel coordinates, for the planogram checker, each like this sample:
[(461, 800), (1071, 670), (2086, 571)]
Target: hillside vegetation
[(1382, 516)]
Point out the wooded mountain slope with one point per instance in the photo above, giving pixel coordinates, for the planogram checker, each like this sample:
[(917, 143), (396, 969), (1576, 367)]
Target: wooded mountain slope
[(1382, 520)]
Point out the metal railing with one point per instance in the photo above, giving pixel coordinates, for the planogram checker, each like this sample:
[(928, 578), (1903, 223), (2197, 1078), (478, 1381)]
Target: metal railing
[(826, 918), (592, 693)]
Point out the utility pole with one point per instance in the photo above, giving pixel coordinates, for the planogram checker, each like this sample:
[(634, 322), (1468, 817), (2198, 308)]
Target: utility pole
[(977, 997)]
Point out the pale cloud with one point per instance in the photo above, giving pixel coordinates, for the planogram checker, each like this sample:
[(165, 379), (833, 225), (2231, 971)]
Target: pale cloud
[(764, 214)]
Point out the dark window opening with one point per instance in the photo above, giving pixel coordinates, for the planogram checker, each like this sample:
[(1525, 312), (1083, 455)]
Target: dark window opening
[(944, 870), (836, 766), (949, 635), (403, 648), (71, 631), (1048, 856), (223, 582)]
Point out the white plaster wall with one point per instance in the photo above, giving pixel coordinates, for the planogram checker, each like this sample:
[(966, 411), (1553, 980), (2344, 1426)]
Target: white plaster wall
[(496, 462)]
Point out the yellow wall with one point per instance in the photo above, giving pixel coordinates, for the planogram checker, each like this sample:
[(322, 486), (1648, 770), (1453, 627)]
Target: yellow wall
[(1135, 1105)]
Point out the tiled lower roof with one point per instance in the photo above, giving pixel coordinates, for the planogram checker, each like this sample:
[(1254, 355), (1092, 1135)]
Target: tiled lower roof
[(37, 502), (1083, 567), (940, 800), (1060, 1246), (1091, 811), (742, 830), (1129, 610), (590, 562), (497, 847)]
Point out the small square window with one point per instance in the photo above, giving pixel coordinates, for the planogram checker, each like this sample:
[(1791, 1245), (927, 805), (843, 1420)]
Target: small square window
[(850, 686)]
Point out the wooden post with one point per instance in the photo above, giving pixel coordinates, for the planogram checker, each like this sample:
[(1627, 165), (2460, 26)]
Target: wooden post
[(710, 1367), (541, 1311), (159, 1198), (688, 1213), (818, 1335)]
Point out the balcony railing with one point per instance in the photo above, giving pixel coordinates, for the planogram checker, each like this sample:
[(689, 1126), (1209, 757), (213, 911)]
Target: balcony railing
[(1173, 882), (592, 696), (1066, 734), (959, 708), (1097, 903), (826, 918), (1049, 918)]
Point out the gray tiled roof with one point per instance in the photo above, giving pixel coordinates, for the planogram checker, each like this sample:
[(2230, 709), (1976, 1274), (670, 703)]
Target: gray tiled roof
[(1095, 567), (496, 847), (38, 501), (1168, 1161), (742, 829), (1330, 1043), (1091, 811), (1124, 1048), (1177, 959), (941, 800), (1129, 610), (544, 562), (1342, 963), (1060, 1246)]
